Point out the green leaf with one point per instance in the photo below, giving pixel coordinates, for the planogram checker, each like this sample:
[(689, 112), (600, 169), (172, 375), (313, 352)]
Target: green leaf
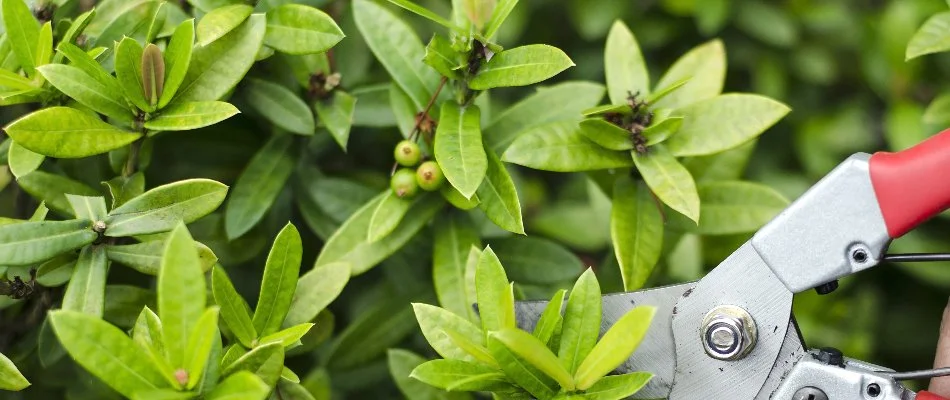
[(106, 352), (636, 228), (455, 198), (498, 197), (423, 12), (496, 303), (624, 67), (280, 106), (349, 243), (386, 217), (732, 207), (216, 68), (162, 208), (259, 185), (398, 48), (199, 345), (50, 189), (724, 122), (316, 289), (264, 361), (615, 347), (10, 376), (550, 319), (454, 237), (581, 326), (82, 60), (522, 373), (162, 394), (498, 16), (184, 116), (617, 387), (938, 112), (536, 353), (181, 294), (660, 131), (146, 257), (44, 44), (458, 147), (560, 102), (669, 180), (177, 60), (289, 336), (128, 70), (536, 260), (92, 208), (401, 364), (300, 29), (125, 188), (444, 373), (280, 276), (932, 37), (23, 161), (336, 114), (606, 134), (705, 69), (560, 147), (242, 385), (22, 31), (153, 74), (27, 243), (86, 290), (441, 56), (64, 132), (13, 80), (521, 66), (434, 321), (383, 325), (147, 334), (56, 271), (474, 349), (219, 21), (232, 306)]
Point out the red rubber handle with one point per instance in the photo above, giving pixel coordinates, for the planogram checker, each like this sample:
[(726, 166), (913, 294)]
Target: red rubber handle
[(929, 396), (914, 184)]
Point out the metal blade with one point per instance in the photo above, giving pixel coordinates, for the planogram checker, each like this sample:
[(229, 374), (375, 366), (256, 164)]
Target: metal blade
[(792, 350), (656, 354)]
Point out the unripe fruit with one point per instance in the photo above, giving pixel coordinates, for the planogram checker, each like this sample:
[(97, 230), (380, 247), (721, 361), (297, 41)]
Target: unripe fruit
[(407, 153), (403, 183), (429, 176)]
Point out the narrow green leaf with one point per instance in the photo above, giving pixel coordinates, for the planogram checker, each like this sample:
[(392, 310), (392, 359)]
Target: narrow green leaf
[(550, 319), (701, 71), (445, 373), (82, 87), (423, 12), (536, 353), (23, 161), (106, 352), (496, 301), (181, 294), (535, 260), (265, 361), (64, 132), (301, 29), (606, 134), (232, 306), (932, 37), (433, 321), (199, 345), (636, 228), (184, 116), (216, 68), (219, 21), (386, 217), (10, 376), (401, 364), (458, 147), (56, 271), (128, 70), (624, 67), (473, 349), (162, 208), (147, 334), (336, 114), (44, 44), (146, 257), (316, 289), (375, 330), (242, 385), (13, 80), (22, 31), (212, 368), (27, 243), (50, 188), (125, 188), (724, 122), (616, 346), (660, 94), (92, 208), (280, 106), (75, 29), (177, 60), (522, 373), (669, 180), (259, 185), (660, 131), (162, 394), (581, 326), (153, 74), (445, 59), (288, 337), (498, 197), (454, 236), (732, 207), (82, 60), (560, 147), (498, 16), (521, 66), (617, 387), (156, 22), (280, 277), (454, 197)]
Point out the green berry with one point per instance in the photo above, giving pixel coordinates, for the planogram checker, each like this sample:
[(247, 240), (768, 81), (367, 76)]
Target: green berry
[(429, 176), (403, 183), (407, 153)]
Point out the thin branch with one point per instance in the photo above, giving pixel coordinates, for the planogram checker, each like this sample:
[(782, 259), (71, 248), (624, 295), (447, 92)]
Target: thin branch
[(413, 135)]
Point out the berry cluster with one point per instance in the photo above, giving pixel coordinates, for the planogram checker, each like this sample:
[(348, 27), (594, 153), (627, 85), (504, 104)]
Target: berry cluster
[(405, 182)]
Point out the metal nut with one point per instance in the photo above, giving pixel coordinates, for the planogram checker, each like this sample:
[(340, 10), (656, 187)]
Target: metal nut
[(729, 333)]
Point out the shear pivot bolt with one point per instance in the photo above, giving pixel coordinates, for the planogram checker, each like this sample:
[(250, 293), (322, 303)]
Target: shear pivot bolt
[(810, 393), (729, 333)]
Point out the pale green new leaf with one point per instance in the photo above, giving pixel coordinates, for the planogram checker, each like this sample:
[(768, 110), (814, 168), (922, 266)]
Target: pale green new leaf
[(660, 131), (532, 350), (526, 376), (125, 188), (423, 12), (336, 114), (316, 289), (288, 337), (219, 21), (44, 44), (474, 349), (386, 217), (625, 70), (401, 364), (50, 189), (13, 80), (444, 373), (128, 70), (280, 279), (242, 385), (616, 346), (177, 60), (498, 197), (932, 37), (724, 122), (265, 361), (82, 60), (27, 243), (458, 147), (185, 116), (92, 208), (181, 294), (938, 111), (636, 229), (496, 301), (560, 147), (216, 68), (163, 394), (259, 185), (550, 319), (280, 106), (705, 69), (606, 134), (454, 236), (199, 345), (581, 326), (433, 321), (732, 207), (22, 161), (75, 29), (669, 180), (64, 132), (162, 208), (56, 271), (521, 66), (10, 377), (301, 29), (147, 334), (146, 257), (441, 56), (233, 308), (498, 16), (22, 31), (616, 387)]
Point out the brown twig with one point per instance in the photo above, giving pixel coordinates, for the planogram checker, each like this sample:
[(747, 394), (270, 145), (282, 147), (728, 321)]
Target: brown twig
[(413, 135)]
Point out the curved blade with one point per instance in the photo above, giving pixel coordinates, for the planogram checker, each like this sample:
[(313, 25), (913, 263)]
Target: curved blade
[(656, 354), (793, 348)]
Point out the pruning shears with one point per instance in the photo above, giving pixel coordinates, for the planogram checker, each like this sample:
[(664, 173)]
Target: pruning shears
[(732, 335)]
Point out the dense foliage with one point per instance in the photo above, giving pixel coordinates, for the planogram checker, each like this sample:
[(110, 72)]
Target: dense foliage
[(360, 170)]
